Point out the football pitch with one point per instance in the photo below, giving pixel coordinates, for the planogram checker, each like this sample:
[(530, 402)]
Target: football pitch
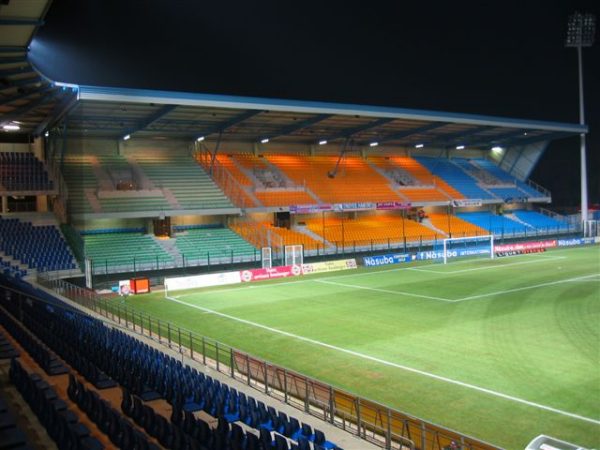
[(502, 350)]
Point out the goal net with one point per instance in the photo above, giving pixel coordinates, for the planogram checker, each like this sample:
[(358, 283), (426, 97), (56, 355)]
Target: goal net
[(473, 246), (294, 255)]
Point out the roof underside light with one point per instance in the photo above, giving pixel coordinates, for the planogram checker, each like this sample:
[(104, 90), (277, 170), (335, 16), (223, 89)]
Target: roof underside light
[(497, 149), (264, 141), (126, 137), (419, 145), (373, 144), (11, 127), (323, 142), (199, 138), (47, 133), (460, 147)]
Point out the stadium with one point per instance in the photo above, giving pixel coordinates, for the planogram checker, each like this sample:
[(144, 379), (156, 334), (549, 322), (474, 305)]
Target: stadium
[(185, 270)]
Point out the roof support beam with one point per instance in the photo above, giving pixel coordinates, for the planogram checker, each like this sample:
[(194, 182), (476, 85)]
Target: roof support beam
[(352, 131), (6, 100), (24, 82), (21, 21), (458, 136), (154, 117), (498, 139), (539, 138), (220, 128), (300, 125), (17, 71), (12, 49), (19, 112), (411, 132), (12, 59), (60, 110)]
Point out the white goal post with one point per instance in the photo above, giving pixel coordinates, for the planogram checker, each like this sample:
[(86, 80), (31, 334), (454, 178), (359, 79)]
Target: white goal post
[(294, 255), (468, 246)]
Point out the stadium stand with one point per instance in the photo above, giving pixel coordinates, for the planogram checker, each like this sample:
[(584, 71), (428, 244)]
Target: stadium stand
[(40, 247), (214, 244), (119, 251), (189, 184), (494, 224), (22, 171), (284, 198), (365, 231), (540, 221), (455, 226), (144, 374), (455, 177), (81, 181), (355, 181)]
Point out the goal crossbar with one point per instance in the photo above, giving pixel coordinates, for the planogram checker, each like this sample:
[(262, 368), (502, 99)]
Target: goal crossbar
[(479, 245)]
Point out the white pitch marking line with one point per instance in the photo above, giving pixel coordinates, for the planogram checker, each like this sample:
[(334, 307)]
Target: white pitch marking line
[(474, 269), (387, 291), (535, 286), (392, 364)]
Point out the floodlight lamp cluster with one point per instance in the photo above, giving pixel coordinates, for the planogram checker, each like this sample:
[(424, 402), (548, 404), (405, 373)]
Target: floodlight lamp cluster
[(12, 126), (581, 30)]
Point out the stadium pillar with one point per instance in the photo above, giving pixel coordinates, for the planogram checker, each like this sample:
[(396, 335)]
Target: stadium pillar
[(583, 152)]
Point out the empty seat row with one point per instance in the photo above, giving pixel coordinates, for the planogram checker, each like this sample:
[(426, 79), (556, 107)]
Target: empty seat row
[(62, 424)]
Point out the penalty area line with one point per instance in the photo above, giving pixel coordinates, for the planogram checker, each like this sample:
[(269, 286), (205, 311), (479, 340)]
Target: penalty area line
[(524, 288), (392, 364)]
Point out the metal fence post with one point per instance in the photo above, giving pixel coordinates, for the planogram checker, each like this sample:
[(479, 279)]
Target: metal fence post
[(248, 370), (217, 352), (191, 346), (388, 436), (203, 350), (232, 362), (358, 424), (331, 404), (266, 378), (169, 333)]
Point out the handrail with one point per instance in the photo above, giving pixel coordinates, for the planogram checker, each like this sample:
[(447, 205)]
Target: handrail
[(367, 419)]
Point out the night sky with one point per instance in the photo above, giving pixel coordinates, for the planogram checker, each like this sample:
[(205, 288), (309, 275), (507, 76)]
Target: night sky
[(500, 58)]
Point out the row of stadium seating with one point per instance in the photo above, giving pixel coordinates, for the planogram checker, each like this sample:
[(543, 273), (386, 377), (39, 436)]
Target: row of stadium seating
[(213, 244), (125, 250), (282, 180), (23, 172), (40, 247), (147, 374), (417, 180), (524, 222), (183, 183)]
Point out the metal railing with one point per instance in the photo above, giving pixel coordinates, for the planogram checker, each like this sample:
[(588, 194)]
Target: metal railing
[(263, 238), (364, 418)]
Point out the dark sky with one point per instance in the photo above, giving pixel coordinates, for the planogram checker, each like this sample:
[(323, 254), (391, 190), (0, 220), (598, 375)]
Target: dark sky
[(501, 58)]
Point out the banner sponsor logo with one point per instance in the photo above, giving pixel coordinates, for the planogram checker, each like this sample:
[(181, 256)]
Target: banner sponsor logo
[(329, 266), (453, 253), (392, 205), (570, 242), (578, 241), (520, 252), (383, 260), (466, 203), (198, 281), (517, 246), (270, 273), (352, 206), (309, 209)]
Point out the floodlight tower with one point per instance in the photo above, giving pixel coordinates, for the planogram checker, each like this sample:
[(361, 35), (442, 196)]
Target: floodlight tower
[(581, 29)]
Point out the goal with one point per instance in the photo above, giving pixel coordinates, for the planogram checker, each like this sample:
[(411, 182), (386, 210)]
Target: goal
[(294, 255), (473, 246)]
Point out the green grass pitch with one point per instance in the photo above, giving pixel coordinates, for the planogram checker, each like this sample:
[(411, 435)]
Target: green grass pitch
[(502, 350)]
